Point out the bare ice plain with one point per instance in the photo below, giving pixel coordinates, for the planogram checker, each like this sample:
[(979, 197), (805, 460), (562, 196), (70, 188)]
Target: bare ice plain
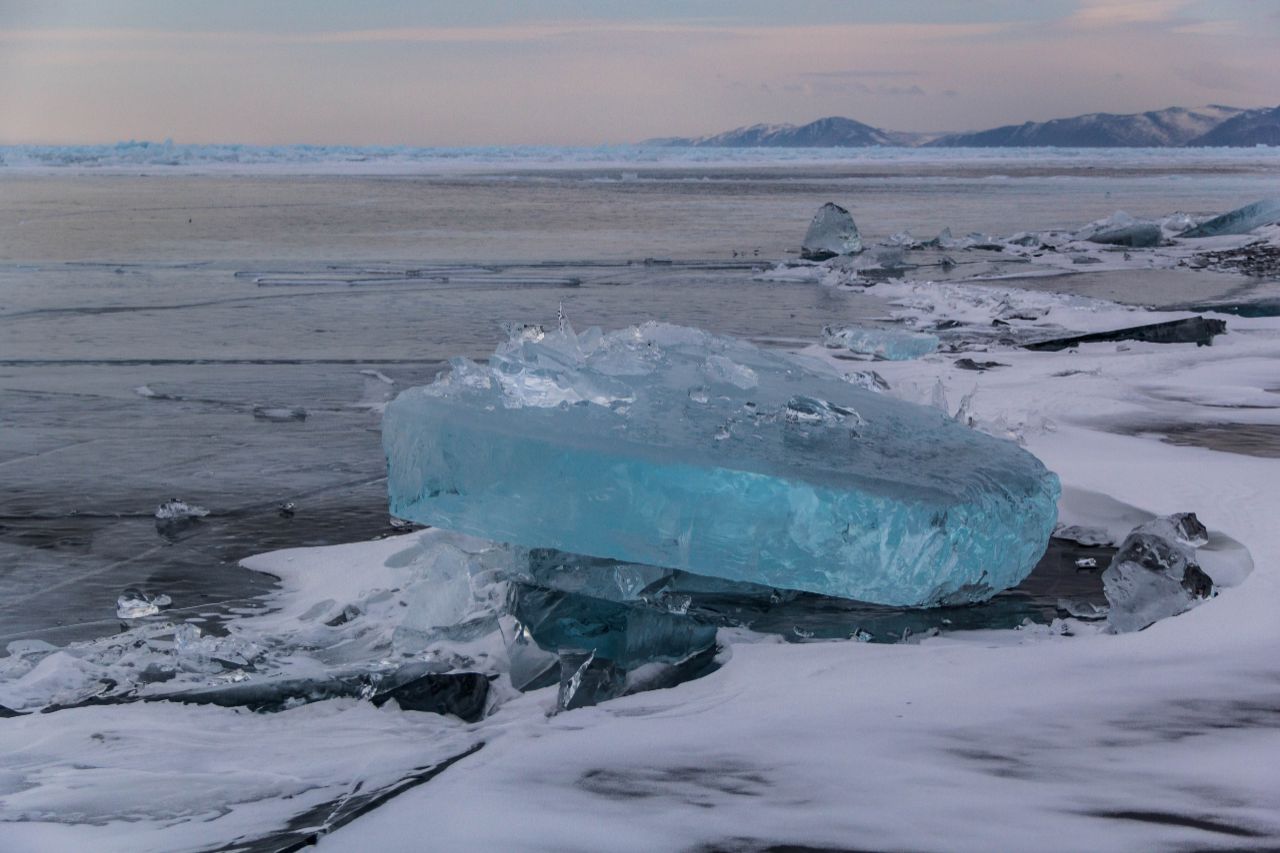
[(158, 332)]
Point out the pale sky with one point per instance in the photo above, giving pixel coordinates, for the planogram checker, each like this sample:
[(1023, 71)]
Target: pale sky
[(473, 72)]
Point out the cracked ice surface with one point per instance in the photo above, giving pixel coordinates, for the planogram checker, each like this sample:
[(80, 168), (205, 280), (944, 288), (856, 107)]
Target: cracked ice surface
[(669, 446)]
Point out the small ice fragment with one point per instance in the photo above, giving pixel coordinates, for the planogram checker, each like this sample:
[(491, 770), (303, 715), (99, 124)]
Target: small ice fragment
[(176, 510), (586, 680), (964, 414), (287, 509), (938, 397), (1121, 229), (868, 379), (145, 391), (1087, 536), (1239, 221), (1154, 574), (279, 413), (135, 604), (1084, 610), (379, 376), (461, 694), (186, 637), (886, 344), (812, 411), (1087, 563), (832, 232)]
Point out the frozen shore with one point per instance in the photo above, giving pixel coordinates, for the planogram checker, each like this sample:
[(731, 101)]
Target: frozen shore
[(125, 314), (1059, 737)]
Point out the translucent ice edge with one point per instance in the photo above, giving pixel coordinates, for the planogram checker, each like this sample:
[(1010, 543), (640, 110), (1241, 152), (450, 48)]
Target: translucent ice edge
[(672, 447)]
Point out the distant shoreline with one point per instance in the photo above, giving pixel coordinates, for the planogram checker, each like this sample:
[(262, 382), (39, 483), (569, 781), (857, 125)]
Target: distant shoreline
[(625, 162)]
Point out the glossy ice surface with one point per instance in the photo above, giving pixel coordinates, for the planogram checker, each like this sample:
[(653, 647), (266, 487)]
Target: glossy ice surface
[(670, 446)]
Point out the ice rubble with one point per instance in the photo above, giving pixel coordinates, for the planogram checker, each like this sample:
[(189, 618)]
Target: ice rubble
[(831, 233), (177, 509), (885, 344), (1154, 575), (135, 604), (669, 446)]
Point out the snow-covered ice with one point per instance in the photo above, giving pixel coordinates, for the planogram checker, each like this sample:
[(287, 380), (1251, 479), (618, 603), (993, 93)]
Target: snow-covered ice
[(1053, 737)]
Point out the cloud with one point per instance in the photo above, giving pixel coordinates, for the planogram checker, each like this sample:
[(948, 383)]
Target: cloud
[(1216, 75), (1111, 13), (854, 73)]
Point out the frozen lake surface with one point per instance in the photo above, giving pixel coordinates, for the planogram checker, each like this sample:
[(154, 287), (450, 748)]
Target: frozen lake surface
[(158, 331)]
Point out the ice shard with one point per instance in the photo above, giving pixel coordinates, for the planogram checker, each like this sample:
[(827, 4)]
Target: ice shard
[(832, 232), (1154, 575), (886, 344), (1190, 330), (776, 471), (1242, 220), (1121, 229)]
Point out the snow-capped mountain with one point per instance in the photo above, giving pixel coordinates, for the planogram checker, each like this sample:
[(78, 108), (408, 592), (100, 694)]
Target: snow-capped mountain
[(1172, 127), (1249, 128), (1155, 129)]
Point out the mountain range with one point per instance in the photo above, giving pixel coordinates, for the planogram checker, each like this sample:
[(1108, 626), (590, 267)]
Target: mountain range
[(1212, 125)]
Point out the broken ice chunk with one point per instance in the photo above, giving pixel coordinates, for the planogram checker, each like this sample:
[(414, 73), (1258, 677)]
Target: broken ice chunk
[(1121, 229), (586, 679), (415, 688), (176, 510), (868, 498), (885, 344), (625, 635), (868, 379), (1192, 330), (1154, 575), (1137, 235), (135, 604), (1239, 221), (832, 232)]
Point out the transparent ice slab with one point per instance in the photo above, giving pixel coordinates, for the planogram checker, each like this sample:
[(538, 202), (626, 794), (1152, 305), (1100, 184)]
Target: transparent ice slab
[(1242, 220), (1155, 575), (886, 344), (831, 233), (670, 446)]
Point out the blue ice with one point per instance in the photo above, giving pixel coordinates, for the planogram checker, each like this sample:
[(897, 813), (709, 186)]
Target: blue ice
[(672, 447)]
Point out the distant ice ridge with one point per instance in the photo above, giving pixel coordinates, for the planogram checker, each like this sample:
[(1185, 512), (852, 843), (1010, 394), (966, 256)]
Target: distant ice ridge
[(673, 447), (169, 155)]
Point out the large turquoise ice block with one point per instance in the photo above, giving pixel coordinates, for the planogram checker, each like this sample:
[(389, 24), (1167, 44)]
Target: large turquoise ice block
[(673, 447)]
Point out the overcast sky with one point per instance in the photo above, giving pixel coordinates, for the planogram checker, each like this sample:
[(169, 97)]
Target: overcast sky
[(472, 72)]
